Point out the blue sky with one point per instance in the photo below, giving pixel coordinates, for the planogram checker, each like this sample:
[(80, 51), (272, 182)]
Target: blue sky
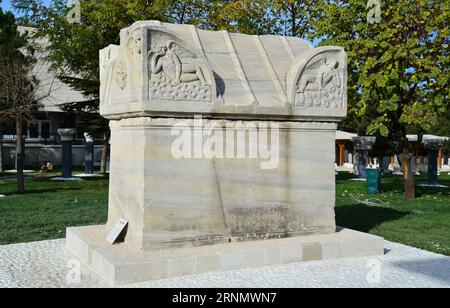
[(6, 4)]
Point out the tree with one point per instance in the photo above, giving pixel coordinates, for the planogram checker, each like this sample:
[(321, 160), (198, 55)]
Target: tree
[(259, 17), (194, 12), (73, 47), (296, 17), (9, 43), (398, 68), (18, 88), (250, 17)]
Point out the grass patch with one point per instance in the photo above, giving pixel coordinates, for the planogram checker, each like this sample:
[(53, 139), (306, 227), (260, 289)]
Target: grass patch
[(423, 223), (49, 207)]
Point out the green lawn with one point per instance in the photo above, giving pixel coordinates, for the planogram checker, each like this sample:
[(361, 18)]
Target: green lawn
[(49, 207), (423, 223)]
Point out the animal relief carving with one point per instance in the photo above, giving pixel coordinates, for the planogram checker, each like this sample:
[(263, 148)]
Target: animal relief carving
[(321, 85)]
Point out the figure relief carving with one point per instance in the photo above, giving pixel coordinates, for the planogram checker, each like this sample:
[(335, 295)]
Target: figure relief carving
[(105, 61), (121, 74), (175, 74), (135, 42), (321, 85)]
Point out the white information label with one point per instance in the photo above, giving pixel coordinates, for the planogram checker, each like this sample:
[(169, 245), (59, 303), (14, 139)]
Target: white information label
[(116, 231)]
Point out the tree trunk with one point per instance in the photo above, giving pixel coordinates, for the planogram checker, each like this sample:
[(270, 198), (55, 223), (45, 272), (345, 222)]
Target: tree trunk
[(105, 150), (20, 156), (408, 175), (294, 24), (2, 169)]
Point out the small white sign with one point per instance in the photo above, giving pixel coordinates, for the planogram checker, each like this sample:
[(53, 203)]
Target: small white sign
[(116, 231)]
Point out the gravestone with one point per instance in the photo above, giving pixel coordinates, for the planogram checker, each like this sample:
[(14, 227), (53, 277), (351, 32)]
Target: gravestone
[(222, 154), (67, 135), (384, 164), (433, 147), (362, 145), (89, 155), (397, 167)]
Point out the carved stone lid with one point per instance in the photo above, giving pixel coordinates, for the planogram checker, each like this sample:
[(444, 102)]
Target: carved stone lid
[(169, 70)]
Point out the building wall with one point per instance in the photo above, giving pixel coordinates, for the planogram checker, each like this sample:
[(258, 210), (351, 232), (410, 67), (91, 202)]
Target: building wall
[(38, 153)]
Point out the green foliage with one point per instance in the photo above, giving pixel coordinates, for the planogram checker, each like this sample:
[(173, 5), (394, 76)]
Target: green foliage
[(399, 68), (296, 18), (280, 17), (251, 17), (17, 87), (10, 40)]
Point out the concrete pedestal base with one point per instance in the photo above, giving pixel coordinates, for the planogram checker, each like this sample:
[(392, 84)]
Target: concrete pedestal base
[(433, 186), (120, 265), (84, 175), (62, 179)]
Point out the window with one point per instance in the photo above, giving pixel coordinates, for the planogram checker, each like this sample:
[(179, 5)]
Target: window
[(45, 129), (33, 130), (38, 130)]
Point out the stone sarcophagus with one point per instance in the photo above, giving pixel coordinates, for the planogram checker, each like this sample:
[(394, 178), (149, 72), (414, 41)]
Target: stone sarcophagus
[(216, 138)]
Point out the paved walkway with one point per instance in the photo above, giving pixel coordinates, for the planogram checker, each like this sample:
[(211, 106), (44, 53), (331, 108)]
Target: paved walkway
[(48, 264)]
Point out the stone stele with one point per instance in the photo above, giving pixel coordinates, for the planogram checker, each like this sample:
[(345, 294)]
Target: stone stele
[(230, 206)]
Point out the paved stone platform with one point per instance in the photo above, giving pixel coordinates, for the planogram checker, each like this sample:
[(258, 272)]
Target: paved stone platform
[(48, 264), (120, 264)]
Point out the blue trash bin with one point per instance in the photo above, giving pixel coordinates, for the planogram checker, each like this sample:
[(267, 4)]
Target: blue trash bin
[(373, 181)]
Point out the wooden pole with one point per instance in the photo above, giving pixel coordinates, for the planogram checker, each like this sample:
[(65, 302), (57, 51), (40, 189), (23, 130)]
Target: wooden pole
[(440, 159), (341, 145)]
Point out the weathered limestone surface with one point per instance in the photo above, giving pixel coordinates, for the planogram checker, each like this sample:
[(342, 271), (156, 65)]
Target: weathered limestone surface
[(281, 96), (194, 201)]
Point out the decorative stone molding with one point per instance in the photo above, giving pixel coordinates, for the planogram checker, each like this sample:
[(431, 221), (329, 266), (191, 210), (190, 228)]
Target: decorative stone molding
[(364, 143), (135, 43), (67, 134), (170, 122), (171, 70)]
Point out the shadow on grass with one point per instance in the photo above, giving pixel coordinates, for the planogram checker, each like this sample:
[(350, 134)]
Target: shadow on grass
[(42, 191), (430, 191), (365, 218), (345, 176), (437, 268), (392, 183)]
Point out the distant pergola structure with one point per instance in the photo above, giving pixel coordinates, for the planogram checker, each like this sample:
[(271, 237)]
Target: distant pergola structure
[(428, 139), (342, 139)]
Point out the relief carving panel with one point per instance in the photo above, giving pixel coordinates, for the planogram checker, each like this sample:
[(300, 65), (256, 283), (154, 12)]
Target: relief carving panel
[(176, 74), (321, 85)]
